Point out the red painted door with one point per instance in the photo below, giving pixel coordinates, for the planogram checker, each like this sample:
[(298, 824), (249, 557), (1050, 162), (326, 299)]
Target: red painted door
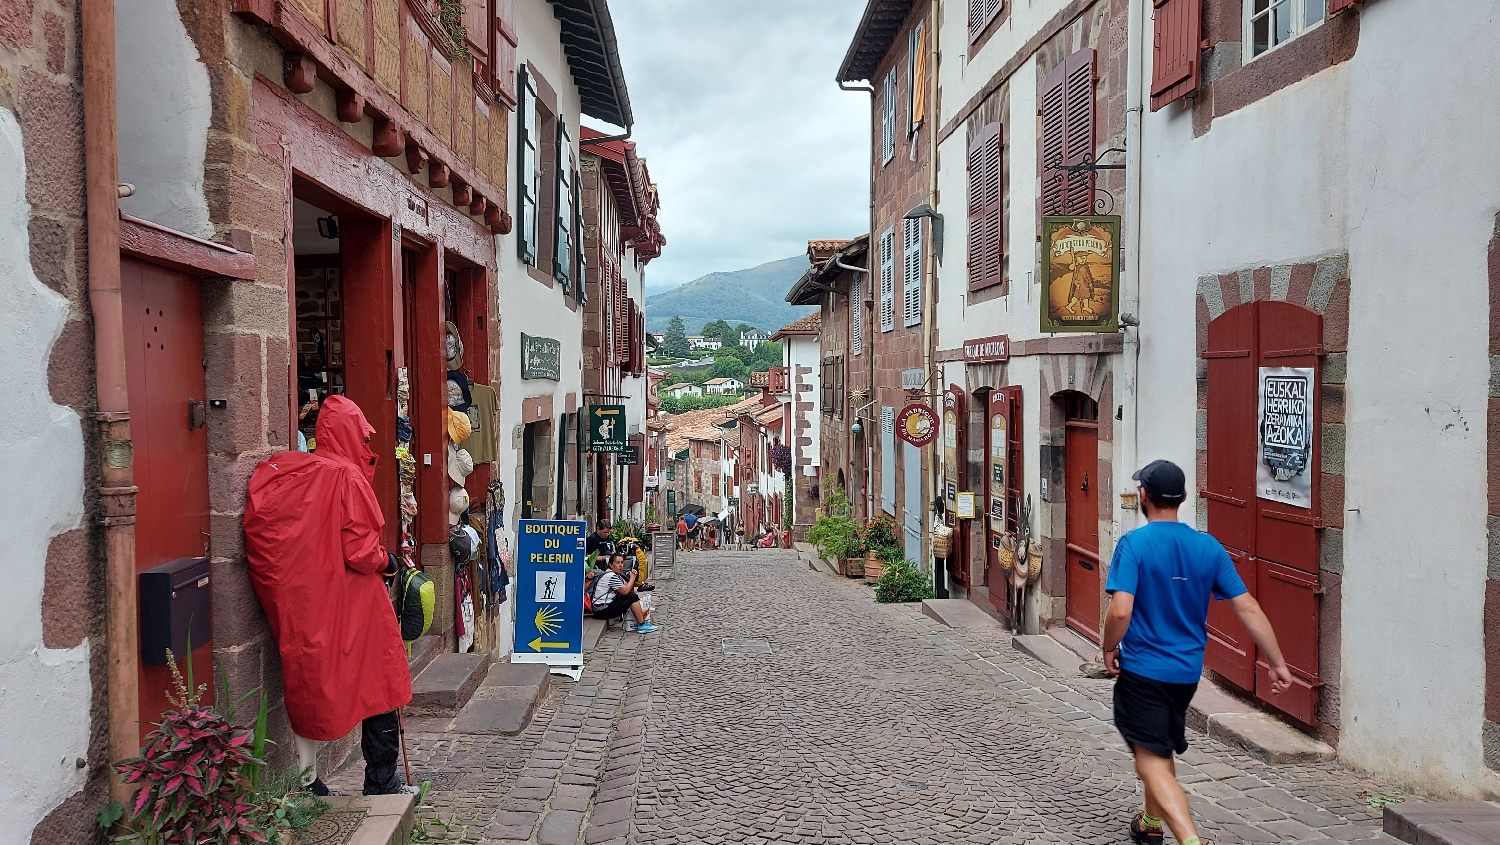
[(1081, 456), (168, 408), (1274, 545)]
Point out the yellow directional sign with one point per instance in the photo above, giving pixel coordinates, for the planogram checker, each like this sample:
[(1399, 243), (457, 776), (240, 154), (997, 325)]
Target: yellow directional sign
[(538, 645)]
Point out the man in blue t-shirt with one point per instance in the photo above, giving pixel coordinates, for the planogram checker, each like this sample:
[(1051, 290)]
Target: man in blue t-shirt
[(1160, 583)]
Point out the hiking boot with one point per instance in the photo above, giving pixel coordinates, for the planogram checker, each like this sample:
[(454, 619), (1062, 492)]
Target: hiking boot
[(1142, 835), (650, 627)]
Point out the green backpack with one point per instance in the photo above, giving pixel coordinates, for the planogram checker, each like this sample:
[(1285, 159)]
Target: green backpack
[(416, 598)]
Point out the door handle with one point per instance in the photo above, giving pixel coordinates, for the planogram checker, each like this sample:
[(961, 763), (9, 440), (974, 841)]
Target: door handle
[(197, 416), (1085, 564), (1085, 482)]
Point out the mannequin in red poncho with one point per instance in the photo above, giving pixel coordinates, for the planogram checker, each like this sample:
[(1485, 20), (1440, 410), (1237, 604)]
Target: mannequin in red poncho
[(312, 536)]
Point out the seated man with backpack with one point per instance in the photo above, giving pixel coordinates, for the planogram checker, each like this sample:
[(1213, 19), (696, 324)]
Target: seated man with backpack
[(612, 593)]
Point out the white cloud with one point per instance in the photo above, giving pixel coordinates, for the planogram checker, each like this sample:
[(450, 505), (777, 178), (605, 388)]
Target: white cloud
[(753, 145)]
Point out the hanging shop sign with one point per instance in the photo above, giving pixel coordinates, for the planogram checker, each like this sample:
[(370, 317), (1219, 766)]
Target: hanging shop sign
[(917, 424), (628, 457), (541, 357), (1284, 435), (986, 350), (607, 428), (1080, 274), (734, 501), (549, 595)]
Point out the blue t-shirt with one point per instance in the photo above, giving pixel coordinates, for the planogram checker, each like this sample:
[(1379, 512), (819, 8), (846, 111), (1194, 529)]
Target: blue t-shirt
[(692, 521), (1173, 570)]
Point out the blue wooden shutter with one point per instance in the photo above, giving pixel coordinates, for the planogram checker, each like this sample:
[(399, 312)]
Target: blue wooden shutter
[(888, 280), (526, 164), (857, 313), (888, 118), (911, 505), (888, 460), (562, 253), (911, 261)]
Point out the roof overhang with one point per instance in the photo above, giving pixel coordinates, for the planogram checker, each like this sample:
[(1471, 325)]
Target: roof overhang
[(820, 279), (877, 30), (588, 38)]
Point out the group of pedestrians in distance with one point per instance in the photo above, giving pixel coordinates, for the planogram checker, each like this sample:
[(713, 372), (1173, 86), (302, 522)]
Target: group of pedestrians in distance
[(695, 532)]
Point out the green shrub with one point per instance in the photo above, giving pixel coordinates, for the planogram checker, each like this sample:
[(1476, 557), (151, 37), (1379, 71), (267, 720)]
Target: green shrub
[(835, 533), (902, 581)]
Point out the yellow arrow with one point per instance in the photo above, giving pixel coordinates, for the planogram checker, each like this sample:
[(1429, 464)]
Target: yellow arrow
[(538, 645)]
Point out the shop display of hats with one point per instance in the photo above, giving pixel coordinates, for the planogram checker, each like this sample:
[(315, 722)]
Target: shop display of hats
[(459, 397), (458, 427), (460, 464), (454, 347), (458, 502)]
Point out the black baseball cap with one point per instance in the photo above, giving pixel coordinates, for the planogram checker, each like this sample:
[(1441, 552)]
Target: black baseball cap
[(1162, 479)]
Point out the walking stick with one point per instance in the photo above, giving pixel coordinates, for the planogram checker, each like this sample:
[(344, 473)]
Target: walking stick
[(401, 729)]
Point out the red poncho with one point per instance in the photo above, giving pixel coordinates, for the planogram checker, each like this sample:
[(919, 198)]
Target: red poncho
[(312, 535)]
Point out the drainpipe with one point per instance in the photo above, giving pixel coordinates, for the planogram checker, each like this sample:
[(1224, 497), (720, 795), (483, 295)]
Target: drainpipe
[(930, 282), (117, 490), (1130, 283), (866, 492)]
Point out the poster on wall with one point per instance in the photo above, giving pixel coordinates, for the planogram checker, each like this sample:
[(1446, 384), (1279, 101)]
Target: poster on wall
[(1080, 274), (1284, 436)]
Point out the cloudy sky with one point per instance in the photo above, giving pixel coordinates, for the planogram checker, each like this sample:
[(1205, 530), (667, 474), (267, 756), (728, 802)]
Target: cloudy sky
[(752, 144)]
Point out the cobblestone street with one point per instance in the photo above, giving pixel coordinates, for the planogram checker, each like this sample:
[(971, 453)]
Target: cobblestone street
[(864, 723)]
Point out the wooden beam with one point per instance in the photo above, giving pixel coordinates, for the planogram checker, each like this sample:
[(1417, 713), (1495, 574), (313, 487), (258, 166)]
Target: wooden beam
[(461, 194), (478, 207), (388, 139), (437, 175), (182, 252), (351, 107), (416, 158), (301, 72)]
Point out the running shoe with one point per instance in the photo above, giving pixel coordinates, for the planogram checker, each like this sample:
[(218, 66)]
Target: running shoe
[(645, 588), (650, 627), (1142, 835)]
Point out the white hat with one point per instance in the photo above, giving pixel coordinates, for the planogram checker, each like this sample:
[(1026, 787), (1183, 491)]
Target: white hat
[(460, 464), (458, 502)]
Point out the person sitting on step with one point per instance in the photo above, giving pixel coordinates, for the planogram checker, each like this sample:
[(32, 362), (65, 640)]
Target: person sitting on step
[(614, 594)]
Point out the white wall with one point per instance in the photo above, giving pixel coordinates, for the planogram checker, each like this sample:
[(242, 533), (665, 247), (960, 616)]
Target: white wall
[(1373, 158), (804, 351), (44, 692), (526, 305), (164, 110)]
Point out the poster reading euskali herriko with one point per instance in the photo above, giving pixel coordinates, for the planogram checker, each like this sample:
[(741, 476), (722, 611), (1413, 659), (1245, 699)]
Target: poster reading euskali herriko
[(1284, 435)]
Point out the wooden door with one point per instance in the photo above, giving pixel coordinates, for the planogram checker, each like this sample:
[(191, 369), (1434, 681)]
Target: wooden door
[(168, 415), (1081, 458), (1274, 544)]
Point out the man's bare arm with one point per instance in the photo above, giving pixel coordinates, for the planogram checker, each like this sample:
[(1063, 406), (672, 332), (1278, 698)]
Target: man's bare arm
[(1116, 623), (1255, 621)]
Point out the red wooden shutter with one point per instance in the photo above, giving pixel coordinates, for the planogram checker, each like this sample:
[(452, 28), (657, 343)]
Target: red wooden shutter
[(622, 318), (504, 60), (986, 238), (1054, 140), (1079, 146), (1175, 50), (1336, 6)]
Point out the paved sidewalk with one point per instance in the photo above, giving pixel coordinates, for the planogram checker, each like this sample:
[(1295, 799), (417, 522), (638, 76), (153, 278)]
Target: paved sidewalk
[(864, 723)]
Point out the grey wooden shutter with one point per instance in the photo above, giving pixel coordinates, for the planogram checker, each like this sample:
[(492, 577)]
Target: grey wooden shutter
[(888, 118), (526, 163), (857, 313), (911, 261), (888, 460), (888, 280), (562, 258)]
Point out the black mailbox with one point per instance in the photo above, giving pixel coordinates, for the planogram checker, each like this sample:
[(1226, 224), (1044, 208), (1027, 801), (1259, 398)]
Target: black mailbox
[(174, 604)]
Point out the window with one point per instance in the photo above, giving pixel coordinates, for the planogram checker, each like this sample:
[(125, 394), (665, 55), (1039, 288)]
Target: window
[(1271, 23), (698, 481), (911, 272), (916, 72), (888, 118), (562, 258), (888, 280), (1068, 135), (529, 165), (831, 387), (986, 233), (857, 313), (981, 12)]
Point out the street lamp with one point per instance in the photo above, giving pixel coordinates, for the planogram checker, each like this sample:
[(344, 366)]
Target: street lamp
[(926, 210)]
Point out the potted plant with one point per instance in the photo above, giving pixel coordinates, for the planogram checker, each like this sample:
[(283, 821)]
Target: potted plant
[(881, 543), (653, 519), (834, 531), (902, 581)]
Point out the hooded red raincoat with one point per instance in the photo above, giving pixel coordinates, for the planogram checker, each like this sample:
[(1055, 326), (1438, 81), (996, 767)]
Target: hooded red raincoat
[(312, 536)]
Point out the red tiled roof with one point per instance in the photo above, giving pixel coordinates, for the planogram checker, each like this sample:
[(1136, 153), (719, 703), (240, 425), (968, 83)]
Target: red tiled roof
[(811, 324)]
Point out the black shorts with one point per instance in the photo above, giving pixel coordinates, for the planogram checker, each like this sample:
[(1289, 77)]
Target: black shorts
[(616, 607), (1152, 714)]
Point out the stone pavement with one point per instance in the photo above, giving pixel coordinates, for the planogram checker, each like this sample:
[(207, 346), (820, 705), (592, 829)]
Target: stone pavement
[(863, 723)]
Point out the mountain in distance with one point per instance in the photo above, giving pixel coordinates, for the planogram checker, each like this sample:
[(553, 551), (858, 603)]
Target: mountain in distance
[(756, 296)]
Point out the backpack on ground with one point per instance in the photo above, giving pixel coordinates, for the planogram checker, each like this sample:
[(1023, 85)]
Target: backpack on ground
[(416, 600)]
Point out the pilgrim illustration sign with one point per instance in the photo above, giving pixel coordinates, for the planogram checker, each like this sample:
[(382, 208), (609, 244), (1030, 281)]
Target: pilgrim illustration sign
[(1284, 436)]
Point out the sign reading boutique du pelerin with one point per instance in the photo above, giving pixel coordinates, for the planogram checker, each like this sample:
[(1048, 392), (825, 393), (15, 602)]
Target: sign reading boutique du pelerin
[(541, 357), (606, 428), (549, 595)]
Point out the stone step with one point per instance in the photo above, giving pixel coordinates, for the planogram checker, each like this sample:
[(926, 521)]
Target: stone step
[(593, 629), (447, 684), (505, 702), (422, 653), (388, 819), (958, 613), (1443, 822)]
